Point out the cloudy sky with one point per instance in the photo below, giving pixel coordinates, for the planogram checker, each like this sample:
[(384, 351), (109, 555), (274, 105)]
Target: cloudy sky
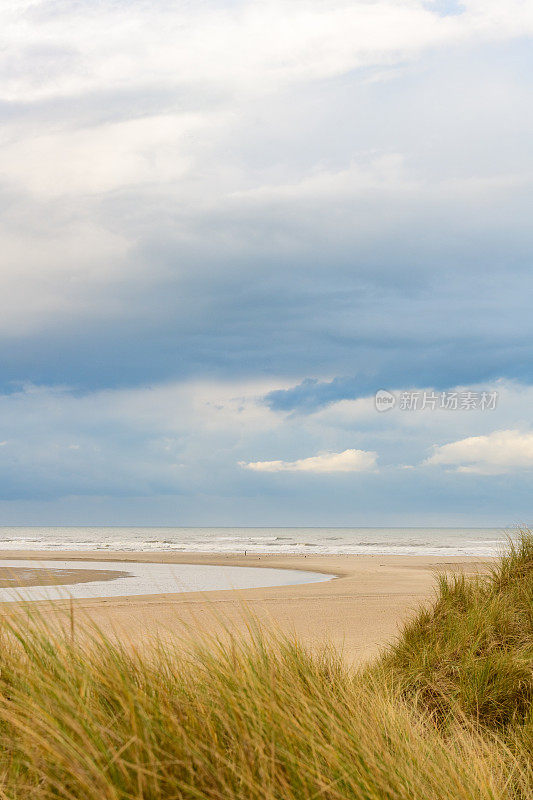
[(227, 223)]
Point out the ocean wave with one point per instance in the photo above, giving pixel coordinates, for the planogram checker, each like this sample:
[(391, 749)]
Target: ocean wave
[(325, 541)]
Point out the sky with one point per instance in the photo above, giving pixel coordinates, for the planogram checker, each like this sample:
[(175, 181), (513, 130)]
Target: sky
[(227, 224)]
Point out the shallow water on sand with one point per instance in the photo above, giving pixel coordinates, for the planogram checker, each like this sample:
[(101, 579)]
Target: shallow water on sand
[(142, 579)]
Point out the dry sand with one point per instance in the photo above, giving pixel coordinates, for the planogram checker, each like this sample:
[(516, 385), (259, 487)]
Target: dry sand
[(359, 611)]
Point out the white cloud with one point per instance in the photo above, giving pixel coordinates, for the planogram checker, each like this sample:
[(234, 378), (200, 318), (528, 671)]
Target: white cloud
[(103, 157), (389, 174), (255, 46), (347, 461), (256, 49), (495, 454)]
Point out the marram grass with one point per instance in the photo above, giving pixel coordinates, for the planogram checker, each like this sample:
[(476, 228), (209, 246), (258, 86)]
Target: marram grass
[(446, 714)]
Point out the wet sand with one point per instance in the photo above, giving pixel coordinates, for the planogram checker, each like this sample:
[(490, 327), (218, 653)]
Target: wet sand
[(359, 611), (13, 577)]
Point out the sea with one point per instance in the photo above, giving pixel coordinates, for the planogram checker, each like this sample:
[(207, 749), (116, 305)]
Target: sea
[(370, 541)]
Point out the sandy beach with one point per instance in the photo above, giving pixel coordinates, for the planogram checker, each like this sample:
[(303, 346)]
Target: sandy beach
[(359, 611)]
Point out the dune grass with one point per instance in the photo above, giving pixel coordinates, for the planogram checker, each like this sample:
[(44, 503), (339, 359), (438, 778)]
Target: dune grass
[(472, 652), (445, 714)]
